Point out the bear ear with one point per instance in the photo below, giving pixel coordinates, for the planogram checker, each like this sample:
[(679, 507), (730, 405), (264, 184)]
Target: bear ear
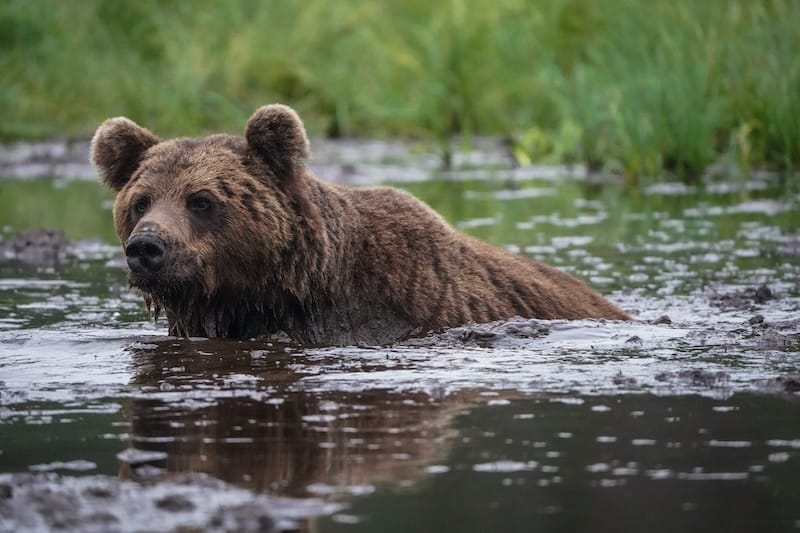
[(277, 134), (117, 149)]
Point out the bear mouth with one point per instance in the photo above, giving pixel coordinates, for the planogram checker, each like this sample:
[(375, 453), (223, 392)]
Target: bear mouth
[(147, 283), (174, 277), (164, 287)]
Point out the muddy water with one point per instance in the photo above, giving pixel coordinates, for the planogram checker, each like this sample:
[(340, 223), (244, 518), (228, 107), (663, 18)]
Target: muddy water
[(687, 419)]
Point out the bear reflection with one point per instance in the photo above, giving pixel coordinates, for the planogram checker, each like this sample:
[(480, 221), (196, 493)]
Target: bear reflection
[(240, 414)]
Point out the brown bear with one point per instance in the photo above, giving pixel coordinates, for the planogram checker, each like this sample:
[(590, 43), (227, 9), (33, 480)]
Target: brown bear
[(234, 237)]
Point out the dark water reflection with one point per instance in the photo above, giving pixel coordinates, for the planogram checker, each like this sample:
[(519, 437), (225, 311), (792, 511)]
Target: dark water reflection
[(632, 463), (259, 431)]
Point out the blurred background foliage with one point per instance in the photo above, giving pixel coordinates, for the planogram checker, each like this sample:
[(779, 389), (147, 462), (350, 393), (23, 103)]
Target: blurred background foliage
[(643, 88)]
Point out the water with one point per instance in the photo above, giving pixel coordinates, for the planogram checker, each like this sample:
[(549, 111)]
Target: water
[(684, 420)]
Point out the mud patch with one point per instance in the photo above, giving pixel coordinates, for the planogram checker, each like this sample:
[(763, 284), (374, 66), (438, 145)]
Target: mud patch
[(790, 383), (39, 248), (49, 248), (43, 502), (510, 333), (747, 298), (695, 377)]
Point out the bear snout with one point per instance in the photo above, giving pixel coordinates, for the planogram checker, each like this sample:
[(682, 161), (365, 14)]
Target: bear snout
[(146, 253)]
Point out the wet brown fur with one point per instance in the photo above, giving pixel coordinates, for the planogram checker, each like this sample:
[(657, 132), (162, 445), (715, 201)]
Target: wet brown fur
[(280, 250)]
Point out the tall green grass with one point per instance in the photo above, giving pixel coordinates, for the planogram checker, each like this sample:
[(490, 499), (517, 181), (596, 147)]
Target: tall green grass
[(645, 88)]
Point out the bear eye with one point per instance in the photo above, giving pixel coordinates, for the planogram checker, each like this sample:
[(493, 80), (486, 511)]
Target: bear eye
[(199, 204), (141, 205)]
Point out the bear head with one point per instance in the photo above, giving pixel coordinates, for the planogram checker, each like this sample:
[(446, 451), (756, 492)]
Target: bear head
[(203, 217)]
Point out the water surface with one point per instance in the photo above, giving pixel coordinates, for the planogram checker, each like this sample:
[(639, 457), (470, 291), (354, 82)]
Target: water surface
[(686, 419)]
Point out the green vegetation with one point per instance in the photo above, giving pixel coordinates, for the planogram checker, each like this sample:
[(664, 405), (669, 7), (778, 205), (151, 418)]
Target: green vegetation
[(638, 87), (82, 209)]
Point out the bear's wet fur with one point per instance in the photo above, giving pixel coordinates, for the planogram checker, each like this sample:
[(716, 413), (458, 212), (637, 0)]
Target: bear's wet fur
[(234, 237)]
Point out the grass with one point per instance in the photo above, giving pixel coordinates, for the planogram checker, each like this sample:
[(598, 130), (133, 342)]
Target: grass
[(649, 89)]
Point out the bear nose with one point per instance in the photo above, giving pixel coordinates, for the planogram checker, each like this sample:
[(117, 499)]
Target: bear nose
[(145, 253)]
